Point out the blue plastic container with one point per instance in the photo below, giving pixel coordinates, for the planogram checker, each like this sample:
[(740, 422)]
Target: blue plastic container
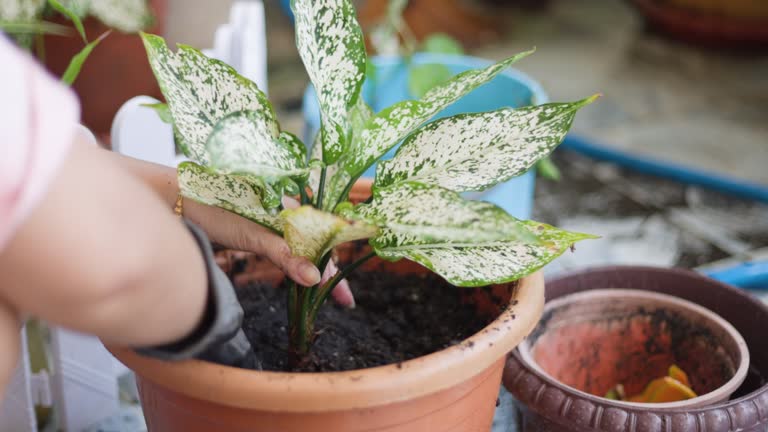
[(286, 5), (509, 89)]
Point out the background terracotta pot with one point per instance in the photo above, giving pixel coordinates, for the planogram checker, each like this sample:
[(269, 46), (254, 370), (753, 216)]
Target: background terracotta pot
[(454, 389), (116, 70), (593, 340), (721, 23), (548, 405)]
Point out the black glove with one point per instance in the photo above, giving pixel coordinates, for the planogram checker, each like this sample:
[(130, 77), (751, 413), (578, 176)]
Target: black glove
[(218, 337)]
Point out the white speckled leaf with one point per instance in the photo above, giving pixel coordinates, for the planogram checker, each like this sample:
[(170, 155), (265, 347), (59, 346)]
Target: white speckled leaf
[(128, 16), (200, 91), (21, 10), (331, 45), (316, 154), (480, 263), (390, 126), (162, 111), (244, 143), (311, 233), (233, 193), (427, 213), (471, 152), (359, 115)]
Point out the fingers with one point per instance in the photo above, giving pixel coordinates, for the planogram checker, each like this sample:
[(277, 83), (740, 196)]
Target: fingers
[(299, 269), (290, 203), (342, 293)]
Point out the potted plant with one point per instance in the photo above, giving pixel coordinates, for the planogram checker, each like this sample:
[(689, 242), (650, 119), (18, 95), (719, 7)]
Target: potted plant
[(244, 163), (115, 72), (405, 69), (632, 324)]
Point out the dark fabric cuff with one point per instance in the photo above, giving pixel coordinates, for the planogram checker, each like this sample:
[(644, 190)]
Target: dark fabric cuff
[(222, 317)]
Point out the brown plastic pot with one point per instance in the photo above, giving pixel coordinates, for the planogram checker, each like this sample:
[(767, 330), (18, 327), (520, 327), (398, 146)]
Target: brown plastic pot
[(451, 390), (116, 70), (548, 404)]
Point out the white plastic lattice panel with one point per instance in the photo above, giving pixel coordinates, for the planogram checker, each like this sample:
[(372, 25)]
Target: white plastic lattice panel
[(17, 413), (85, 384)]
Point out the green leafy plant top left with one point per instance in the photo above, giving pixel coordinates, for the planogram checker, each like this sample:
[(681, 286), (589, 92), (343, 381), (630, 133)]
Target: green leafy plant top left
[(243, 162)]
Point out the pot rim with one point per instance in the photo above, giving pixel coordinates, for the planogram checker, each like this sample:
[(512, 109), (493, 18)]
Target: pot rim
[(718, 395), (363, 388)]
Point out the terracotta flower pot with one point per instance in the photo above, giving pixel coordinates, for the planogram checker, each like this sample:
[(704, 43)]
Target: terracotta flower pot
[(719, 23), (638, 335), (451, 390), (116, 70)]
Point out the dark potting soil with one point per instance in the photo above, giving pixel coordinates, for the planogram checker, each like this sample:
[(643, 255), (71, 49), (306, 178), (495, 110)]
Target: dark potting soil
[(397, 318)]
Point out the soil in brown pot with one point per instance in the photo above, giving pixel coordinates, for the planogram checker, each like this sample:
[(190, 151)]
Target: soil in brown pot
[(397, 318)]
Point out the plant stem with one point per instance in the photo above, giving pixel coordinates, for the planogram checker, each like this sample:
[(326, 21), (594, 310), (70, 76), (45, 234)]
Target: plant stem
[(328, 287), (323, 264), (303, 194), (321, 188), (298, 331), (40, 47), (293, 298)]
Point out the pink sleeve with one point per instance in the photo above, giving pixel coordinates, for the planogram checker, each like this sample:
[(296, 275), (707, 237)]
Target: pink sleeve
[(38, 121)]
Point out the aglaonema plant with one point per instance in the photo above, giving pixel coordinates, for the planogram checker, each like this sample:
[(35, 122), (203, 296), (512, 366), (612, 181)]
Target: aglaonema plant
[(243, 162)]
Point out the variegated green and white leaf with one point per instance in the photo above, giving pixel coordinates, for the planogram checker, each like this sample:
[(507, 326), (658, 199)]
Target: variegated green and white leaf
[(25, 11), (480, 263), (229, 192), (244, 143), (200, 91), (77, 7), (311, 233), (162, 111), (359, 115), (331, 44), (471, 152), (427, 213), (128, 16), (392, 125)]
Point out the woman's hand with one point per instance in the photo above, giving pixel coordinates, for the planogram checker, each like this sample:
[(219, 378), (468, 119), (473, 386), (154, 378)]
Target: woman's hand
[(234, 232)]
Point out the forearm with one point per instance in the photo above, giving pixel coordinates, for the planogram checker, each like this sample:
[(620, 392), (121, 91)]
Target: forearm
[(221, 226), (102, 254)]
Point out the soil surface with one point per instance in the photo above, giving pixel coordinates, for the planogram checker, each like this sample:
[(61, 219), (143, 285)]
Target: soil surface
[(397, 318)]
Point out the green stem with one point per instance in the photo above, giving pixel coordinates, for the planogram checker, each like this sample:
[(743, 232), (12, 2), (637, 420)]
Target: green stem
[(40, 47), (293, 298), (303, 194), (321, 188), (345, 195), (298, 332), (323, 264), (328, 287)]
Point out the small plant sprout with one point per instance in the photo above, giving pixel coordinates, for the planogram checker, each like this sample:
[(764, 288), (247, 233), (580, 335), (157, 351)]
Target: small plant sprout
[(244, 163)]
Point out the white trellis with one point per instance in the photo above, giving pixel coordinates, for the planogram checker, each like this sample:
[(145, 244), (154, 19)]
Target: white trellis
[(83, 384)]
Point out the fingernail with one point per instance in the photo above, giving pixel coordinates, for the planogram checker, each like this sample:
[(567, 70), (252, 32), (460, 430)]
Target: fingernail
[(310, 274)]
